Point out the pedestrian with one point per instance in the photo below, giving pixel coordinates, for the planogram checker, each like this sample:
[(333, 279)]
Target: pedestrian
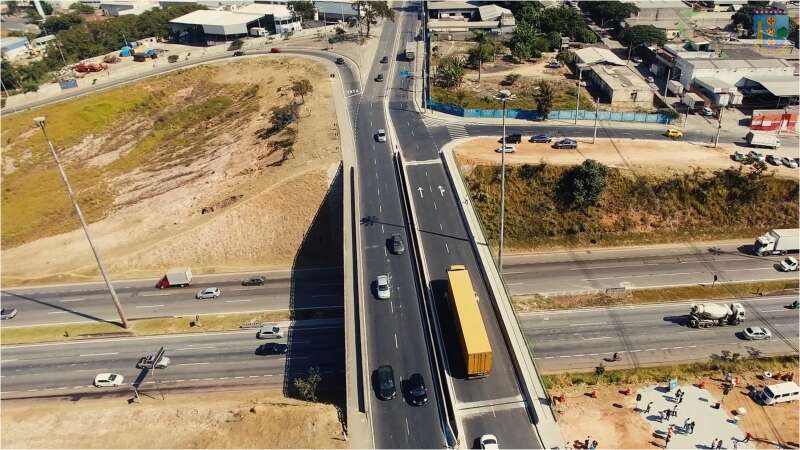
[(747, 437), (735, 444), (680, 399), (586, 442), (719, 444), (686, 423), (675, 410), (714, 443), (667, 441), (594, 445), (661, 416), (678, 393), (691, 427), (647, 410)]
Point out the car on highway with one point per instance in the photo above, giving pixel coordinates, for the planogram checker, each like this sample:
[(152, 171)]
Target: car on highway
[(756, 333), (553, 65), (789, 264), (384, 291), (269, 332), (272, 348), (274, 50), (541, 138), (489, 442), (738, 156), (417, 392), (108, 380), (379, 77), (258, 280), (509, 148), (340, 61), (396, 245), (238, 53), (774, 160), (756, 156), (385, 387), (8, 313), (673, 133), (146, 362), (566, 143), (380, 136), (384, 60), (204, 294), (514, 138), (789, 162)]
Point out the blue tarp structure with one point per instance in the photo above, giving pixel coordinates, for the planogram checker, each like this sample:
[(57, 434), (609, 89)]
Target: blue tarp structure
[(125, 51)]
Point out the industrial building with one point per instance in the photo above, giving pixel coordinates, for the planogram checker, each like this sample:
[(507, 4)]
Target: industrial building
[(619, 84), (458, 20), (207, 27), (332, 11), (13, 47), (116, 8)]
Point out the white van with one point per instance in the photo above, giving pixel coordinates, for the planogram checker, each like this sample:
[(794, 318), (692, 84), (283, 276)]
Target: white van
[(269, 332), (779, 393)]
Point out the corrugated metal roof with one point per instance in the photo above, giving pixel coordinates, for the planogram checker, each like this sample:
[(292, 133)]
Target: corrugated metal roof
[(450, 5), (219, 18), (594, 55), (780, 86)]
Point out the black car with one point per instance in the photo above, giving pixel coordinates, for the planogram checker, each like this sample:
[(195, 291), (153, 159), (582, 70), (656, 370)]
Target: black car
[(541, 138), (272, 349), (379, 77), (339, 60), (254, 281), (396, 245), (566, 143), (384, 383), (417, 392), (238, 53), (515, 138), (384, 60)]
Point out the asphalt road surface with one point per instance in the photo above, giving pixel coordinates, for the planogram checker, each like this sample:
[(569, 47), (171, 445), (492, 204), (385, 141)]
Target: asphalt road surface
[(645, 267), (66, 368), (650, 335), (91, 301)]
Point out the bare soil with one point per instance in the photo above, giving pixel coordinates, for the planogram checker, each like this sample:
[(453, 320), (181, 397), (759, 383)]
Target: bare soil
[(656, 157), (229, 203), (244, 419)]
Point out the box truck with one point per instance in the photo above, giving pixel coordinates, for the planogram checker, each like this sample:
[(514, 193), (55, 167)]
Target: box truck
[(761, 139), (180, 277), (777, 242)]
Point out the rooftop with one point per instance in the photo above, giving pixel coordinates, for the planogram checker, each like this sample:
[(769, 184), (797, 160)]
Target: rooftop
[(11, 41), (595, 55), (660, 4), (450, 5), (492, 12), (621, 77), (263, 9), (219, 18), (733, 64)]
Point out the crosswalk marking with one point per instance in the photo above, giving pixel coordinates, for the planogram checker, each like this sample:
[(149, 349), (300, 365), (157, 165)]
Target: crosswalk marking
[(456, 131)]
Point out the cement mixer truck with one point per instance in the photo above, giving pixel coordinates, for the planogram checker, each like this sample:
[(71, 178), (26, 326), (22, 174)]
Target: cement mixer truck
[(705, 315)]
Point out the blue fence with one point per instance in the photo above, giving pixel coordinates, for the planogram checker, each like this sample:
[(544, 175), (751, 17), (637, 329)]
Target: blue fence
[(610, 116)]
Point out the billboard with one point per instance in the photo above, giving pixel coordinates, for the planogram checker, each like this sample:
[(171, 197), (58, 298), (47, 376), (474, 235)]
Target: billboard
[(771, 26)]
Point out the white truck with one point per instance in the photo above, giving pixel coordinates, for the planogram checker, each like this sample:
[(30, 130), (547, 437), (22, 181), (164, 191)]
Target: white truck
[(675, 87), (778, 241), (411, 49), (259, 32), (762, 139), (180, 277), (705, 315), (693, 101)]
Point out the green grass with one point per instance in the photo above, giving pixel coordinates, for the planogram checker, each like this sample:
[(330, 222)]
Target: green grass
[(563, 100), (631, 209), (527, 303), (147, 327), (683, 372)]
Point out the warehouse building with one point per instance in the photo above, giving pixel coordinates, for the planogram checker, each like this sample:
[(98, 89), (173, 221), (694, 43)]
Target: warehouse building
[(619, 84), (209, 27), (14, 47)]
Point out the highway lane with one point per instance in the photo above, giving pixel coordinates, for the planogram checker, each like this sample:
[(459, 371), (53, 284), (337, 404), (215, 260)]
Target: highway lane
[(394, 327), (648, 335), (70, 367), (564, 272), (321, 288)]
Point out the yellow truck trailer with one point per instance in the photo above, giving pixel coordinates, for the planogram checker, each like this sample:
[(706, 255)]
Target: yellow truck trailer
[(472, 333)]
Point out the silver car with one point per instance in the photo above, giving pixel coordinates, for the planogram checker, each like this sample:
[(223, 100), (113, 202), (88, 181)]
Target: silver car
[(212, 292), (384, 292), (757, 333)]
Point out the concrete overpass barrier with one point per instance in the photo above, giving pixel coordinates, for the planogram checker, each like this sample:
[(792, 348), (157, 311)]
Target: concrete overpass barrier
[(533, 388)]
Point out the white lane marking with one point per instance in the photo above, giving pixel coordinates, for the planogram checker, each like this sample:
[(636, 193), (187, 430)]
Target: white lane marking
[(434, 205), (441, 228), (640, 276), (205, 347), (73, 300), (391, 307), (193, 364), (98, 354), (587, 323), (244, 300), (395, 341), (150, 306), (597, 338), (776, 310), (7, 361), (58, 312), (155, 294), (245, 288)]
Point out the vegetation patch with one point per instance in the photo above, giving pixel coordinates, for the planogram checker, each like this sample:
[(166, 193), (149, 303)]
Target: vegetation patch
[(529, 303), (592, 204)]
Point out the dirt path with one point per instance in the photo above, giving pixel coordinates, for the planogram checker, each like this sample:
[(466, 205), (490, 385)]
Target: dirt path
[(659, 157), (248, 419)]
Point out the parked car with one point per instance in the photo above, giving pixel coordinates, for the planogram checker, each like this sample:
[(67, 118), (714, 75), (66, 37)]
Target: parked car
[(380, 136), (384, 291), (541, 138), (212, 292), (789, 264), (8, 313), (379, 77), (706, 111), (756, 156), (789, 162), (553, 65), (258, 280), (673, 133), (385, 387), (566, 143), (146, 362), (774, 160), (108, 380), (384, 60), (514, 138), (650, 80), (738, 157), (417, 392), (509, 148), (269, 332), (340, 61), (489, 442), (757, 333), (272, 348), (636, 60), (274, 50), (238, 53), (396, 245)]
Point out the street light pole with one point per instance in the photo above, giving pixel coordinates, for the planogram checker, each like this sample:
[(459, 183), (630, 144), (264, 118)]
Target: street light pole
[(578, 94), (719, 126), (39, 121), (504, 96), (596, 112)]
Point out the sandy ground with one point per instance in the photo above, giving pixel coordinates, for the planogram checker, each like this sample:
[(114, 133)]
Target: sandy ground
[(261, 211), (640, 156), (611, 420), (262, 419)]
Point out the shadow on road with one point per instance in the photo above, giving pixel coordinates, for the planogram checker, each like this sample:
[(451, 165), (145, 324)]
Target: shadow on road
[(60, 308)]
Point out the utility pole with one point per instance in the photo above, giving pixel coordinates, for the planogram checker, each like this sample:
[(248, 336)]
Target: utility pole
[(666, 85), (596, 112), (40, 121), (578, 94), (504, 96), (719, 126)]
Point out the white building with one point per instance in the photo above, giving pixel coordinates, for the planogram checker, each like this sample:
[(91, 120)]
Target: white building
[(332, 11), (620, 85), (114, 8), (13, 47), (279, 19)]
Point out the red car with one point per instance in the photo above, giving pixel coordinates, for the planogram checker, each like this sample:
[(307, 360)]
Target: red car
[(274, 50)]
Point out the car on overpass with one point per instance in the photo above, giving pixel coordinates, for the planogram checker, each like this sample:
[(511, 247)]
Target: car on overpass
[(108, 380), (396, 245), (489, 442), (207, 293), (384, 291), (379, 78), (417, 392), (385, 387), (757, 334), (380, 136), (339, 61)]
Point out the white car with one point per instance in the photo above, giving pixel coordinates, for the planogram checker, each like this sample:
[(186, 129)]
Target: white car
[(384, 292), (757, 333), (269, 332), (108, 380), (510, 148), (756, 156), (706, 111), (789, 264), (381, 135), (789, 162), (206, 293), (489, 442)]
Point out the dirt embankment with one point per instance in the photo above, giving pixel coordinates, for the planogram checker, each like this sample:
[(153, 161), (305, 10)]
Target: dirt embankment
[(198, 420), (184, 169)]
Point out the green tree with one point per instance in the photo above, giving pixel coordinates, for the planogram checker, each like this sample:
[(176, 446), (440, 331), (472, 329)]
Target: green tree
[(307, 387), (81, 8), (302, 88), (582, 186), (521, 42), (450, 72), (371, 11), (604, 12), (302, 9), (61, 22), (33, 13), (544, 94), (643, 35), (9, 75), (554, 40), (566, 21), (485, 49), (235, 44)]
